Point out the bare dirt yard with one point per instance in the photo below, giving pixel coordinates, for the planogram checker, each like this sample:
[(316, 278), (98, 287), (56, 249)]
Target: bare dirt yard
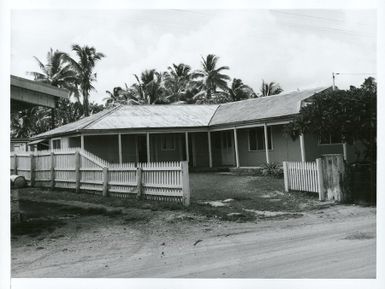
[(281, 236)]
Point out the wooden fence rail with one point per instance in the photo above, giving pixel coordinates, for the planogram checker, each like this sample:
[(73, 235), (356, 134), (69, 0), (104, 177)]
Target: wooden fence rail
[(82, 171)]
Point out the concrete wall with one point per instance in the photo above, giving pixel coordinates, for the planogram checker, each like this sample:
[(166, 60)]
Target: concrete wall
[(104, 146)]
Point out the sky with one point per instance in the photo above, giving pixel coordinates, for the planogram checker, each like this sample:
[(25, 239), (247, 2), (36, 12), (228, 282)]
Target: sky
[(298, 49)]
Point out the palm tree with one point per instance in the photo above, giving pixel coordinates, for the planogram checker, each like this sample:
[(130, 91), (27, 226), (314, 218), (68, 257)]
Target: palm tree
[(176, 81), (87, 58), (121, 96), (149, 88), (210, 77), (57, 72), (239, 90), (271, 88), (114, 97)]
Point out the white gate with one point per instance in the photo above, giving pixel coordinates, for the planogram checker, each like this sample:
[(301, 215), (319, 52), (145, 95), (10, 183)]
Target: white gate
[(303, 176)]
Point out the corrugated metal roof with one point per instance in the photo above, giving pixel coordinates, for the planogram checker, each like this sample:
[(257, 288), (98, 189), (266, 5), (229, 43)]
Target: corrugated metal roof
[(157, 116), (76, 125), (280, 105), (174, 116)]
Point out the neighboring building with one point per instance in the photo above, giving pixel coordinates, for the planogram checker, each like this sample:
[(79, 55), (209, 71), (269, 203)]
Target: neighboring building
[(27, 93), (239, 134), (19, 144)]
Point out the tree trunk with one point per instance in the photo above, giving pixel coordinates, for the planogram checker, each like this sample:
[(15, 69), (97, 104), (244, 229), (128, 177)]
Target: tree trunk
[(85, 103)]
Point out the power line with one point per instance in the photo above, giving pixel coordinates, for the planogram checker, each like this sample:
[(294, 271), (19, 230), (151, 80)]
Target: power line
[(316, 17)]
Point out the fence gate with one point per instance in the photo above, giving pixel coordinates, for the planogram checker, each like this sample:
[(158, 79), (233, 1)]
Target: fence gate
[(325, 176)]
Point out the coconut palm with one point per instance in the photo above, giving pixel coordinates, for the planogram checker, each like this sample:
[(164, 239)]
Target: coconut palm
[(87, 58), (57, 72), (209, 78), (271, 88), (121, 96), (238, 90), (176, 81), (148, 88)]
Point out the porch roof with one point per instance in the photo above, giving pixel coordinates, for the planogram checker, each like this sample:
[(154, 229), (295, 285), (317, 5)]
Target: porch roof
[(187, 116)]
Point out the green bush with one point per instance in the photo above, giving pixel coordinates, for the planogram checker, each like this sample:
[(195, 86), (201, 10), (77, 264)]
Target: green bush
[(272, 169)]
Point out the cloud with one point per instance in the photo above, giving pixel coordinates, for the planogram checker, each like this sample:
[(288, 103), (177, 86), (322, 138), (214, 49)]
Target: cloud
[(295, 51)]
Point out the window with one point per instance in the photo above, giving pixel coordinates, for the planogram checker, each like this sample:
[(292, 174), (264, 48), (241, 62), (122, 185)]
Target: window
[(326, 139), (168, 143), (257, 138), (56, 144)]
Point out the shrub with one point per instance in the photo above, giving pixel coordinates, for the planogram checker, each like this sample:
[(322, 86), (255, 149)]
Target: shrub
[(272, 169)]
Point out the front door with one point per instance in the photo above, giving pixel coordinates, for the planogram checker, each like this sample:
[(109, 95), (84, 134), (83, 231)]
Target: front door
[(227, 148)]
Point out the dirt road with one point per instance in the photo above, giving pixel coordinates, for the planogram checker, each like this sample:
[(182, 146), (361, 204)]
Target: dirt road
[(337, 242)]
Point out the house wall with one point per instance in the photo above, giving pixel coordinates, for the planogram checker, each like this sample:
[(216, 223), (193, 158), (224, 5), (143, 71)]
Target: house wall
[(314, 150), (129, 148), (74, 142), (104, 146), (283, 148), (201, 149), (216, 149), (158, 154)]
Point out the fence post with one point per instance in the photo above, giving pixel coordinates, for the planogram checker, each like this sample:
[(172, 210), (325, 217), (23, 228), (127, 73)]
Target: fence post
[(52, 170), (77, 170), (185, 184), (139, 183), (15, 165), (285, 176), (105, 182), (321, 188), (32, 170)]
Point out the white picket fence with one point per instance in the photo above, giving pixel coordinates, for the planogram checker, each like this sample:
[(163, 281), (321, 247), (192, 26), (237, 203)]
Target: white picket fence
[(80, 170), (303, 176)]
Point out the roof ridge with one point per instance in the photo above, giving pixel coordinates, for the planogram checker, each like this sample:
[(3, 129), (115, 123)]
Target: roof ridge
[(273, 95), (102, 116), (212, 116)]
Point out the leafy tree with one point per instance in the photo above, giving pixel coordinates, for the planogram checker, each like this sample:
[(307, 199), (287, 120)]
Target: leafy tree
[(209, 78), (29, 122), (87, 58), (270, 88), (348, 114)]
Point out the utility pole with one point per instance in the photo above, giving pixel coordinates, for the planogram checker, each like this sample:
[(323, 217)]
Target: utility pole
[(334, 79), (344, 148)]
